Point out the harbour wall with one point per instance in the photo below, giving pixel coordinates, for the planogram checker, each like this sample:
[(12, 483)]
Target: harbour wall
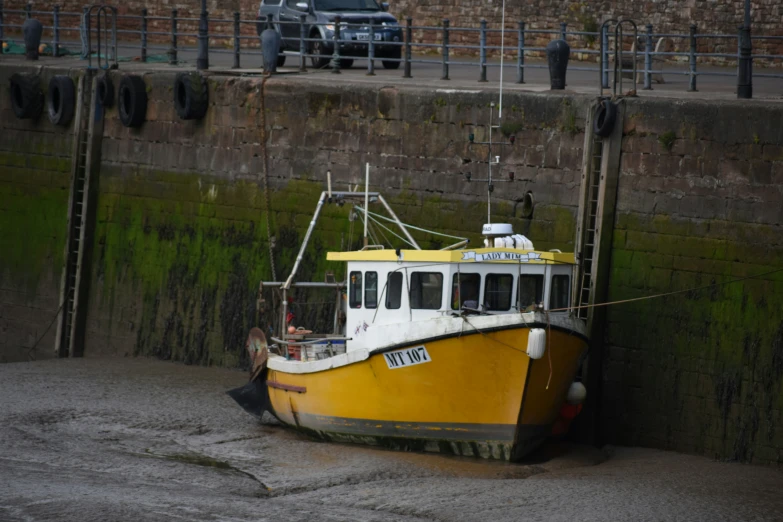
[(181, 238)]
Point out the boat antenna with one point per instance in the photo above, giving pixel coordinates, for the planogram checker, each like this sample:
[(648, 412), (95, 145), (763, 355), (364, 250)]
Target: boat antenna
[(502, 41)]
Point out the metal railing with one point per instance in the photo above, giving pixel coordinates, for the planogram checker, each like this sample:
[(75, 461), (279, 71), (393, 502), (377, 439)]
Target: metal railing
[(441, 45)]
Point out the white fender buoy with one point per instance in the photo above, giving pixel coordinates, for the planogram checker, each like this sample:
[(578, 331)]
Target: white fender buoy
[(577, 393), (536, 343)]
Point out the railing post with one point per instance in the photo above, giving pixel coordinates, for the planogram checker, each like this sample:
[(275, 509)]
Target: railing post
[(28, 9), (563, 30), (745, 64), (86, 37), (1, 27), (648, 49), (406, 69), (202, 62), (144, 35), (371, 51), (521, 53), (605, 53), (302, 44), (237, 40), (692, 59), (55, 30), (336, 49), (445, 50), (483, 51), (173, 50)]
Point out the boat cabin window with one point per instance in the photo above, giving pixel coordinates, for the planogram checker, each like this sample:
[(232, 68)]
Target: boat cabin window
[(426, 290), (371, 289), (497, 293), (558, 293), (394, 291), (466, 293), (530, 290), (355, 290)]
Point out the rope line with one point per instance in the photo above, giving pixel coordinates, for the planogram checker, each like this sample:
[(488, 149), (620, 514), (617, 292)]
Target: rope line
[(267, 204)]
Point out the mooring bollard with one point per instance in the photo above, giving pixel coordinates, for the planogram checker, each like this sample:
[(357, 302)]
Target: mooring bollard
[(202, 62), (483, 51), (445, 50), (270, 46), (32, 30), (55, 31), (648, 49), (144, 35), (1, 27), (336, 48), (406, 69), (302, 43), (237, 40), (692, 59), (521, 53), (557, 53), (173, 50)]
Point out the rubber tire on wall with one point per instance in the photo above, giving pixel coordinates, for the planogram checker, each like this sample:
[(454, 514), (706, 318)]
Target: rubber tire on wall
[(26, 97), (106, 91), (132, 100), (604, 118), (191, 96), (61, 100)]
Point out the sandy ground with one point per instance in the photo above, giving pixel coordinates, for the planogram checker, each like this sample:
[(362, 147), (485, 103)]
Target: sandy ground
[(135, 439)]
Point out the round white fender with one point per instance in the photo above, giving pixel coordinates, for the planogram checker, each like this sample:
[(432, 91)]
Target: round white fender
[(577, 393), (536, 343)]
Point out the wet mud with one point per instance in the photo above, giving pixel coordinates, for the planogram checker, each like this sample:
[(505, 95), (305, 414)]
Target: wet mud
[(138, 439)]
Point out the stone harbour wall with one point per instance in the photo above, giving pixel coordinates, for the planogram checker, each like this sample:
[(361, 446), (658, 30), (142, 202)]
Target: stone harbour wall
[(181, 238)]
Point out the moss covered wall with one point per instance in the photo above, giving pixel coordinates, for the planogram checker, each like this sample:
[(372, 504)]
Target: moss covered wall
[(181, 239), (35, 163), (699, 203)]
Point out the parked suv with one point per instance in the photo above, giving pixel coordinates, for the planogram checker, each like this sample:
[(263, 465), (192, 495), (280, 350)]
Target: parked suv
[(355, 17)]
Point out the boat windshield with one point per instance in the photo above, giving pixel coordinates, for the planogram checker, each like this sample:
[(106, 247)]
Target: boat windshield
[(346, 5)]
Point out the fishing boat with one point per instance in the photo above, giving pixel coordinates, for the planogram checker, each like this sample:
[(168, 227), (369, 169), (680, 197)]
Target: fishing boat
[(466, 351)]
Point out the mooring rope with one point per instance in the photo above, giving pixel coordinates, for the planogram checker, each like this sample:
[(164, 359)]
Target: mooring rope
[(266, 178)]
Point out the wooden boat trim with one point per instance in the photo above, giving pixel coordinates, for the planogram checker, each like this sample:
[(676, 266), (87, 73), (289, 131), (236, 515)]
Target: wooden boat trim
[(286, 387)]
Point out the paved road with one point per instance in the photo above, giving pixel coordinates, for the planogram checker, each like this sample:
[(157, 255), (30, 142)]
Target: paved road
[(138, 439), (676, 80)]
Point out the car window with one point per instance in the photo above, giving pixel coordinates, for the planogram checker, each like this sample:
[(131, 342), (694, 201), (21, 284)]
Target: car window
[(347, 5), (271, 2)]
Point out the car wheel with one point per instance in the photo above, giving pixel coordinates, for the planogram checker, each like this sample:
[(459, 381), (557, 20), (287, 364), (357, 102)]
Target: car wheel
[(390, 65), (319, 59), (345, 63), (281, 60)]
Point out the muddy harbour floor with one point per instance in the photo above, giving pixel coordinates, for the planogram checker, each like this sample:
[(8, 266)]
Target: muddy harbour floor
[(143, 440)]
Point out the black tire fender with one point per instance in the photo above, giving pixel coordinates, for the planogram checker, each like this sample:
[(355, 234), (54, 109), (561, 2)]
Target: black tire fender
[(26, 97), (106, 91), (132, 100), (604, 118), (61, 100), (191, 95)]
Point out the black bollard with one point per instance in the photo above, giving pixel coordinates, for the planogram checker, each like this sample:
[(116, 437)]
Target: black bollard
[(32, 30), (557, 53), (270, 46)]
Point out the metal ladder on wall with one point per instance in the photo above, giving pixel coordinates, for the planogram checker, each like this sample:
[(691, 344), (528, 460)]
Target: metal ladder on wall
[(67, 331), (590, 233)]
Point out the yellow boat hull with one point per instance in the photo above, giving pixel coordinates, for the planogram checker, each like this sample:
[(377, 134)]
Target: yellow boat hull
[(479, 395)]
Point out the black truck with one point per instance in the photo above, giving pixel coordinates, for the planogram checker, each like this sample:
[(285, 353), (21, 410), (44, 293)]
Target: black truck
[(355, 16)]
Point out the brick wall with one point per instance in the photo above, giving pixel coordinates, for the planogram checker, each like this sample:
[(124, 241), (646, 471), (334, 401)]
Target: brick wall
[(667, 16), (35, 163), (699, 202)]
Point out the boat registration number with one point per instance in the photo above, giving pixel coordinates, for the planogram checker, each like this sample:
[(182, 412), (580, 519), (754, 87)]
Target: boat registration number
[(406, 357)]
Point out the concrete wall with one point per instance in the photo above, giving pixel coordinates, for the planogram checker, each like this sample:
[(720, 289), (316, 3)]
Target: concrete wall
[(35, 163)]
